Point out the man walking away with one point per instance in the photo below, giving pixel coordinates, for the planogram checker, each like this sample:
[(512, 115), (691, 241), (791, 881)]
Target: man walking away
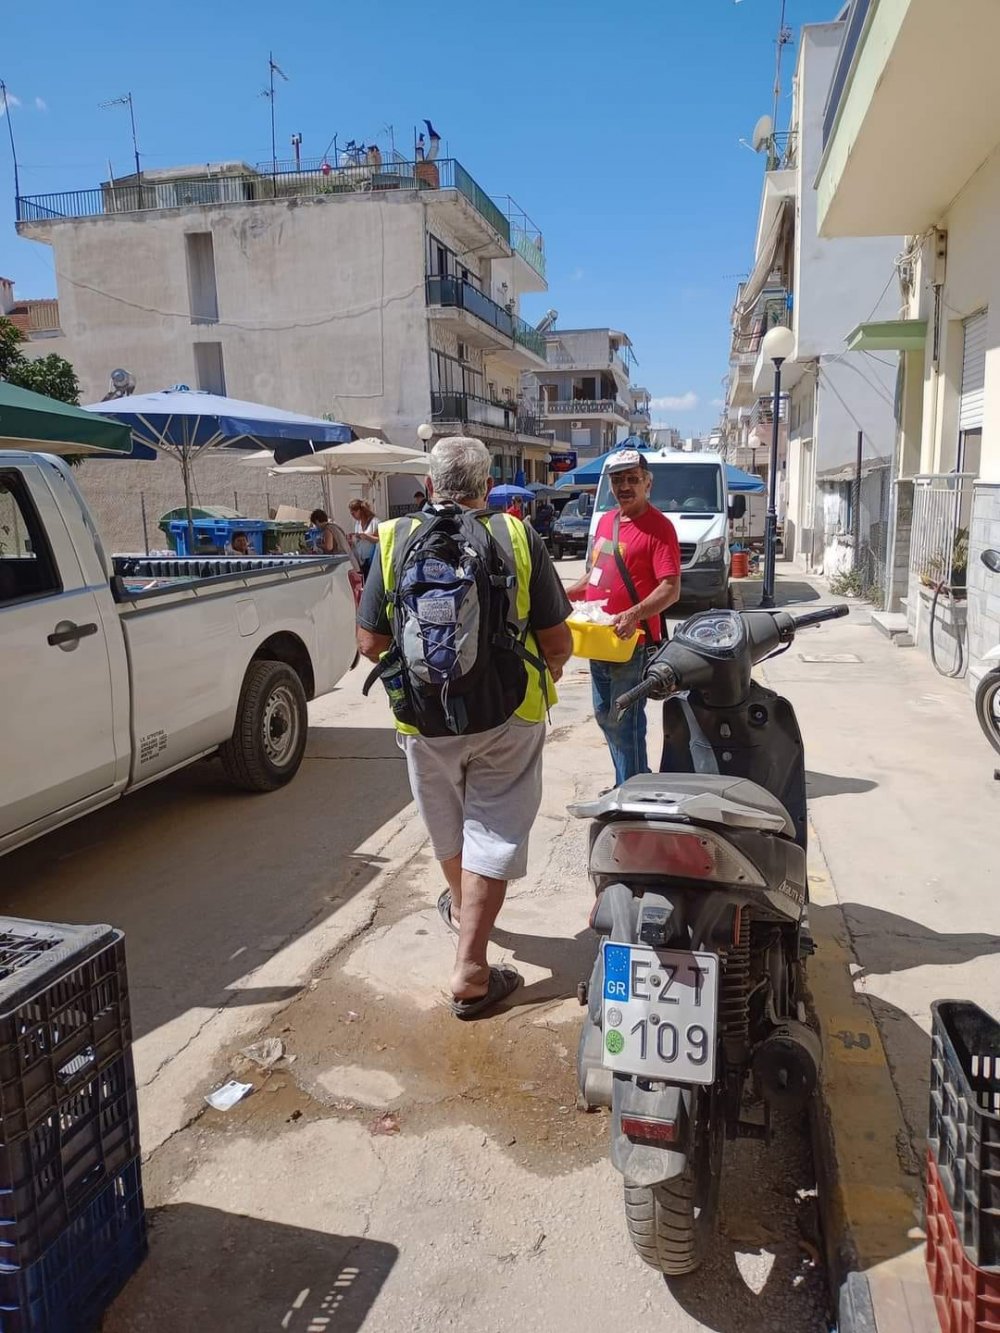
[(465, 616), (635, 567)]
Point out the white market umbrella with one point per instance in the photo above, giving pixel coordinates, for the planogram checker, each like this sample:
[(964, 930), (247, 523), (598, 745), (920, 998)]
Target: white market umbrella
[(367, 459)]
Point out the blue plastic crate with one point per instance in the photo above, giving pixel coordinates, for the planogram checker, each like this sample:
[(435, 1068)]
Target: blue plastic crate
[(69, 1288), (212, 536)]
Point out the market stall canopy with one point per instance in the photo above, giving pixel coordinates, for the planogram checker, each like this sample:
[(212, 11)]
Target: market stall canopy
[(183, 420), (742, 483), (506, 494), (35, 422)]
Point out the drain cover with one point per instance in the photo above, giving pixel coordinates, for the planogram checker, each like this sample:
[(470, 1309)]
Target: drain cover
[(829, 657)]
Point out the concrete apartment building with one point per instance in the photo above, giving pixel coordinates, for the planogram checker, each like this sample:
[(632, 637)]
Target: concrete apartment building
[(821, 289), (897, 159), (584, 398), (382, 294)]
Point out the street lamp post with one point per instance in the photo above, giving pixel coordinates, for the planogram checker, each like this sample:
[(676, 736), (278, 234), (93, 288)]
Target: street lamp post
[(777, 347)]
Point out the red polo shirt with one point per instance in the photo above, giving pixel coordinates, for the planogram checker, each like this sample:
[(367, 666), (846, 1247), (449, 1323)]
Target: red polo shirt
[(649, 547)]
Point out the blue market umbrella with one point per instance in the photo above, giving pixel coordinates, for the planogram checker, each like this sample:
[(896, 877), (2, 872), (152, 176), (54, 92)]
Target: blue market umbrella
[(740, 482), (504, 495), (183, 422)]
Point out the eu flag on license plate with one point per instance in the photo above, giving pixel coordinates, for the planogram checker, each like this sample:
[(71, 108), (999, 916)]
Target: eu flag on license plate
[(616, 966)]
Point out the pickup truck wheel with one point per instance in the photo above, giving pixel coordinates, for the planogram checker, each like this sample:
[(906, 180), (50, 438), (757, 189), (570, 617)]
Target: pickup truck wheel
[(272, 721)]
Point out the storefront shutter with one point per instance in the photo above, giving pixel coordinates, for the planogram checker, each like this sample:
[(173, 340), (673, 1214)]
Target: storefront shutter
[(973, 374)]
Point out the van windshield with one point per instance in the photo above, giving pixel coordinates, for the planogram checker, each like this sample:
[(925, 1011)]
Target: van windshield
[(677, 488)]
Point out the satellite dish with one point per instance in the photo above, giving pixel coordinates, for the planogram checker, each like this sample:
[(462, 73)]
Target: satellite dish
[(762, 133)]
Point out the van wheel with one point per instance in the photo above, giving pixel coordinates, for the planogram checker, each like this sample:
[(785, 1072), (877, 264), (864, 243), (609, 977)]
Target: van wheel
[(557, 551), (272, 722)]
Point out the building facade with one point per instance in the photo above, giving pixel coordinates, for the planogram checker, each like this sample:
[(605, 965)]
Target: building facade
[(384, 295), (832, 397), (898, 161), (584, 398)]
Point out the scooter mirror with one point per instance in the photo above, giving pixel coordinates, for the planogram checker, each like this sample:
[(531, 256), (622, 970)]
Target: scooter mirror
[(991, 559)]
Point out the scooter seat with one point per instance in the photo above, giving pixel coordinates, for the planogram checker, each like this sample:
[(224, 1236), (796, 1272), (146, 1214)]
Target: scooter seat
[(703, 797)]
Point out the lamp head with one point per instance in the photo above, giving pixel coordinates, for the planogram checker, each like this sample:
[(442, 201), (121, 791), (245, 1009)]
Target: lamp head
[(778, 344), (425, 432)]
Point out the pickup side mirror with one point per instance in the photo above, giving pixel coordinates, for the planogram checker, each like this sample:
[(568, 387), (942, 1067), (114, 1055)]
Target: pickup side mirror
[(991, 559), (737, 506)]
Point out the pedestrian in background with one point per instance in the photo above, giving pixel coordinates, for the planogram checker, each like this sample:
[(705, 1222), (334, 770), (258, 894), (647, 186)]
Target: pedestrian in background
[(473, 747), (364, 538), (635, 569)]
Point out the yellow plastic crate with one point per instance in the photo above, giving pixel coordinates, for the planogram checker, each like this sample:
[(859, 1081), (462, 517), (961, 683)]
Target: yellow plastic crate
[(600, 642)]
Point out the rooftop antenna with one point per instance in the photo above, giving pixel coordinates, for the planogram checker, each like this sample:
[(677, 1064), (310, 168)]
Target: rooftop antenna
[(268, 92), (10, 133), (784, 38), (126, 100)]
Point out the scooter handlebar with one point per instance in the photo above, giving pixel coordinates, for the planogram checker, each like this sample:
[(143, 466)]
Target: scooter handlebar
[(659, 683), (818, 616)]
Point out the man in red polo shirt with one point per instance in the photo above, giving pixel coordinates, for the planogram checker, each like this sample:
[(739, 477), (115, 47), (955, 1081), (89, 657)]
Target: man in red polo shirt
[(649, 559)]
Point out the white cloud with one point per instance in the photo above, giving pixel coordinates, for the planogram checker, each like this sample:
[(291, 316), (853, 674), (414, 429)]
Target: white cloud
[(11, 101), (718, 402), (41, 104), (685, 402)]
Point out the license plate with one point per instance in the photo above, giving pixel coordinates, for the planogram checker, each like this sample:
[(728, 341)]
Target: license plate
[(660, 1009)]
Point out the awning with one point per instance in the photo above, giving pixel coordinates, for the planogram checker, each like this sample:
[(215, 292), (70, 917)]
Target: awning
[(888, 335), (34, 421), (766, 257)]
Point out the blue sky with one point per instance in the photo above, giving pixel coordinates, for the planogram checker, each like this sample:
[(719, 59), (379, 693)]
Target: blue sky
[(616, 127)]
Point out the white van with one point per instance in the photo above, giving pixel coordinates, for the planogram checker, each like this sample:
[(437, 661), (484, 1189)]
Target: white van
[(691, 490)]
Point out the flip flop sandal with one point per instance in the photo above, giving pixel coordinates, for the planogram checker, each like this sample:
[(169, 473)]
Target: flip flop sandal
[(504, 981), (444, 911)]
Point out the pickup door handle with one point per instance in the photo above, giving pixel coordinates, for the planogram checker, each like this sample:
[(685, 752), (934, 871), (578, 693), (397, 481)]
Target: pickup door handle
[(66, 634)]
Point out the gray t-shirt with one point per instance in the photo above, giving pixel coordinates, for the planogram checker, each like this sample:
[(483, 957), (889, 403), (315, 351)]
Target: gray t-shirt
[(549, 605)]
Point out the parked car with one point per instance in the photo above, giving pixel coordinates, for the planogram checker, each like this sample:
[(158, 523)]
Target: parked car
[(124, 669), (571, 529)]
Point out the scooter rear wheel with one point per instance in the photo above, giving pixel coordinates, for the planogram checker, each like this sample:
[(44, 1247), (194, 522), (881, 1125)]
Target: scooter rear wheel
[(988, 707), (671, 1224)]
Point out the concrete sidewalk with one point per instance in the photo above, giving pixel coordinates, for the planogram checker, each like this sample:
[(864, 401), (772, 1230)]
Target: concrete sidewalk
[(903, 870)]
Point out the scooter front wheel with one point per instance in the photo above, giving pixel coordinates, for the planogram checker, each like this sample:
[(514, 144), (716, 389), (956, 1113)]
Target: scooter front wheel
[(671, 1224), (988, 707)]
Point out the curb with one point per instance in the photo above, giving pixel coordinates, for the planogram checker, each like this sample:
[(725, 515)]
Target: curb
[(868, 1199), (869, 1192)]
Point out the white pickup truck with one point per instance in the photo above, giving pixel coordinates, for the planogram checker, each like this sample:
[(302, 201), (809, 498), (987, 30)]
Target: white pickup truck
[(115, 672)]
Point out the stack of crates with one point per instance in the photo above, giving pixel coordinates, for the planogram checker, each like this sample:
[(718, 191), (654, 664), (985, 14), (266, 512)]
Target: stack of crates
[(963, 1168), (213, 536), (72, 1222)]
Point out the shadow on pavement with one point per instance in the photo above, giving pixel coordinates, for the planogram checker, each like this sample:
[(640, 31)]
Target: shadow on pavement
[(569, 958), (208, 882), (787, 592), (833, 784), (209, 1269), (886, 943)]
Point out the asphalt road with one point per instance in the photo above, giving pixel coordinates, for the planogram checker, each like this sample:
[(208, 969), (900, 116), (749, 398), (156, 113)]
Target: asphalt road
[(485, 1199)]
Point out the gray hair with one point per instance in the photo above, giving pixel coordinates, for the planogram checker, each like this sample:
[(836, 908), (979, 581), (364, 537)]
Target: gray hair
[(460, 468)]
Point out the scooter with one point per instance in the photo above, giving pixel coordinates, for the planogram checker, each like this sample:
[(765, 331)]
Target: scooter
[(695, 1028), (988, 690)]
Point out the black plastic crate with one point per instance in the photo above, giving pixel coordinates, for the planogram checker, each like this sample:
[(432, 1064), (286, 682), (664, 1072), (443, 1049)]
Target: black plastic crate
[(49, 1173), (68, 1289), (64, 1011), (964, 1130)]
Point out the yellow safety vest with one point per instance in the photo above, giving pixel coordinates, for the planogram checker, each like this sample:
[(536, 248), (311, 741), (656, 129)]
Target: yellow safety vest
[(538, 697)]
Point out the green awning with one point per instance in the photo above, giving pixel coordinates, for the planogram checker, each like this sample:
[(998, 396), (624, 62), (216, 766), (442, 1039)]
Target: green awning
[(889, 335), (34, 422)]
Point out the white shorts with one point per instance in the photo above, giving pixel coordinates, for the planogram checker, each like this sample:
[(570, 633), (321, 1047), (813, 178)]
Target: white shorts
[(479, 795)]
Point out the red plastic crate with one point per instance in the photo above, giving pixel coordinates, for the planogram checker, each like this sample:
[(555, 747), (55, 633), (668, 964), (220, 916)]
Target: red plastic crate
[(967, 1297)]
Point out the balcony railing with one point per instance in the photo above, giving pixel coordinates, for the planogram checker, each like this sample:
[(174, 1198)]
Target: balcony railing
[(362, 178), (469, 408), (640, 410), (41, 316), (461, 295), (529, 337), (855, 26), (586, 407), (524, 235)]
